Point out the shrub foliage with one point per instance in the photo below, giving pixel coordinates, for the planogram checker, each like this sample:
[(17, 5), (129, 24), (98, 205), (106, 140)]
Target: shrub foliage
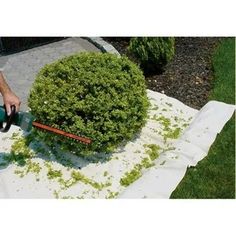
[(153, 53), (100, 96)]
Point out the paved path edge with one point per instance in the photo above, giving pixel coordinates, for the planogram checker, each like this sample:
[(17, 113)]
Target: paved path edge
[(102, 45)]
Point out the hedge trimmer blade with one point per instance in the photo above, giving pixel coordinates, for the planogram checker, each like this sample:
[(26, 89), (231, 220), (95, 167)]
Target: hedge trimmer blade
[(61, 132)]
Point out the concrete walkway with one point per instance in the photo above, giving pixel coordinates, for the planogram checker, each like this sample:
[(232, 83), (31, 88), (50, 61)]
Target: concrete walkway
[(21, 68)]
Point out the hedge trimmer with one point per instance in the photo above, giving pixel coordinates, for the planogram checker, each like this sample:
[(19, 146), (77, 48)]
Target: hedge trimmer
[(26, 121)]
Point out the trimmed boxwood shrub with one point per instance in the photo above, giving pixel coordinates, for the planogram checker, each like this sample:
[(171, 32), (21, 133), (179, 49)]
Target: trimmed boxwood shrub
[(97, 95), (153, 53)]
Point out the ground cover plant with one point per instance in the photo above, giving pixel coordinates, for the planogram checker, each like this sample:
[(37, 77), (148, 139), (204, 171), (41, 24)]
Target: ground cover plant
[(214, 177)]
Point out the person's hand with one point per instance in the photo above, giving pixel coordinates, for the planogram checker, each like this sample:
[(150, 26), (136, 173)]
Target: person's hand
[(9, 99)]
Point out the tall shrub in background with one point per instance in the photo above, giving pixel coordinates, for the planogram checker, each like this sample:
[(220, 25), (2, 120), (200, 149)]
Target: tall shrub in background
[(153, 53), (97, 95)]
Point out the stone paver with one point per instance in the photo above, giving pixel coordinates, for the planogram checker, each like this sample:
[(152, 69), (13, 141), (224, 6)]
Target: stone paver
[(20, 69)]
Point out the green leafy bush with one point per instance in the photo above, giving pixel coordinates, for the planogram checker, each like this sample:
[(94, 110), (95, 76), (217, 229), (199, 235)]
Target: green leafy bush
[(100, 96), (153, 53)]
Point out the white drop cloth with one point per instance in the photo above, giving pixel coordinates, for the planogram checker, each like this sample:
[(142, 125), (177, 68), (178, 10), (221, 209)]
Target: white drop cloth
[(198, 131)]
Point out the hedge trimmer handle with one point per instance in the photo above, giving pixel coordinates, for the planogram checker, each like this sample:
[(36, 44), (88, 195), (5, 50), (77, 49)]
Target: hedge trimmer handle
[(9, 120), (25, 121)]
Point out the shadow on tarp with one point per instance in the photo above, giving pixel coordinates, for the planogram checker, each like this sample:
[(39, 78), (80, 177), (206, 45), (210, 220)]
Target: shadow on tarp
[(65, 158)]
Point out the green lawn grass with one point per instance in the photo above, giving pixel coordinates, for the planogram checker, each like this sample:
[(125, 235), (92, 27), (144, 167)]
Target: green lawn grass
[(214, 176)]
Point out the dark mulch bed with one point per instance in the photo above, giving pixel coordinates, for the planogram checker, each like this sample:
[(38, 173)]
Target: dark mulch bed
[(188, 77), (10, 45)]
